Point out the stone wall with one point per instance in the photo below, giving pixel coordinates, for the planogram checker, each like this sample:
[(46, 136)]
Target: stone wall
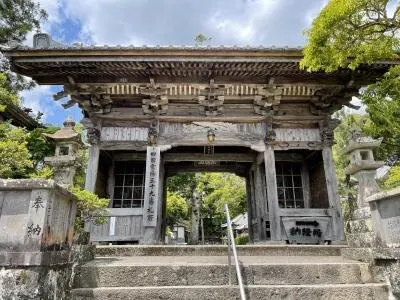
[(42, 282), (375, 237)]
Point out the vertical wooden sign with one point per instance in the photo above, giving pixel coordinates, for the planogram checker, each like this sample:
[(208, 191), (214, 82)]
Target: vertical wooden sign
[(151, 186)]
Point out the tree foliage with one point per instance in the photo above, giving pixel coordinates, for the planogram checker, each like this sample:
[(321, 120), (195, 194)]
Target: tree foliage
[(347, 33), (215, 189), (90, 208), (7, 97), (177, 209), (383, 106), (200, 39), (39, 146), (15, 157), (18, 18)]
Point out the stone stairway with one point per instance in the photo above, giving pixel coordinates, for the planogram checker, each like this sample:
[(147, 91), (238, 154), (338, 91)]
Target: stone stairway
[(201, 272)]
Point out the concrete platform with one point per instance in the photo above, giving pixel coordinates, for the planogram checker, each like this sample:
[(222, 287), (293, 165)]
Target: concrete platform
[(219, 250), (272, 292), (213, 270)]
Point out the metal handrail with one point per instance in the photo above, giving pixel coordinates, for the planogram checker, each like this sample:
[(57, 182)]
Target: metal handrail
[(232, 248)]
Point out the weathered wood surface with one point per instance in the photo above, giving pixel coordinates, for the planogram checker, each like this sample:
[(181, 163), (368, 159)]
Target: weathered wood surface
[(129, 156), (92, 167), (303, 212), (195, 133), (237, 157), (272, 195), (125, 227), (333, 193), (261, 205), (298, 134), (124, 134)]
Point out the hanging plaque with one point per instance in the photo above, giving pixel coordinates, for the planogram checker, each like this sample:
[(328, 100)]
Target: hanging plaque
[(151, 186)]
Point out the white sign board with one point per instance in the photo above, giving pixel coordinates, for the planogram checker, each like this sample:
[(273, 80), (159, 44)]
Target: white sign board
[(124, 134), (151, 186)]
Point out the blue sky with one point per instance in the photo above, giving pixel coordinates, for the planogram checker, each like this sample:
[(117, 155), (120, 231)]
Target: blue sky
[(168, 22)]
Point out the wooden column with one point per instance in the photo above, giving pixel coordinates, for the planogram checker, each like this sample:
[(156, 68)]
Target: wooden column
[(272, 195), (333, 194), (92, 167), (260, 203), (249, 209)]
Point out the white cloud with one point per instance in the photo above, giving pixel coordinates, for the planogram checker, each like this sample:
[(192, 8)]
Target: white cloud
[(40, 99), (228, 22)]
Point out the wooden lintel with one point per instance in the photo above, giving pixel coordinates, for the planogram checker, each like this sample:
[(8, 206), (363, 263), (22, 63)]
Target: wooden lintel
[(305, 212), (129, 156), (235, 157)]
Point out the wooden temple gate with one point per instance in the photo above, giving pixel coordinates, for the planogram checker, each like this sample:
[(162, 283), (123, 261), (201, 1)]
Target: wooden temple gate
[(152, 112)]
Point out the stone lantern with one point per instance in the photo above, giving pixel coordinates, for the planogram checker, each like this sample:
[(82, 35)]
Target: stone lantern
[(363, 166), (64, 161)]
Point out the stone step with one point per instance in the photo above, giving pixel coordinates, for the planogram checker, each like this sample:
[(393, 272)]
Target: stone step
[(369, 291), (214, 270), (219, 250)]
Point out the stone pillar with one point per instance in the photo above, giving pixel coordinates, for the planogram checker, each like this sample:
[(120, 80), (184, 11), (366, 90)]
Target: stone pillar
[(363, 167), (93, 162), (152, 195), (272, 194)]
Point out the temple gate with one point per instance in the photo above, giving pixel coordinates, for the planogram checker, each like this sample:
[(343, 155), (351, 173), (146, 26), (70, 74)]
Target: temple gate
[(151, 112)]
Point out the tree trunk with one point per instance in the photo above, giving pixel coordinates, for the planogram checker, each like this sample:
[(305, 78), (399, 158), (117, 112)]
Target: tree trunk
[(195, 218)]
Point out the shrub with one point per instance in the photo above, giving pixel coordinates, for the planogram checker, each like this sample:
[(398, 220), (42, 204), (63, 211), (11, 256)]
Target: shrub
[(90, 208), (242, 239)]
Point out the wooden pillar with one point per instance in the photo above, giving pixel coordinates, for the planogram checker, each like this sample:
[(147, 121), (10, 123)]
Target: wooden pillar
[(333, 194), (253, 202), (92, 167), (326, 131), (272, 195), (249, 209), (151, 203), (260, 203)]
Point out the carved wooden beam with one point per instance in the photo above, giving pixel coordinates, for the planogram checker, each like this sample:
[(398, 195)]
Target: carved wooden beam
[(211, 99), (91, 98), (267, 100), (156, 101), (327, 100)]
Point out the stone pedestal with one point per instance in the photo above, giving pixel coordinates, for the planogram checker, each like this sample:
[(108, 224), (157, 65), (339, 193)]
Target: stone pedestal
[(36, 225), (385, 211)]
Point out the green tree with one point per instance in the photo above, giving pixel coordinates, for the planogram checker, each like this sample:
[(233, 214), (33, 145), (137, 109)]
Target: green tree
[(6, 96), (17, 19), (177, 209), (348, 33), (350, 123), (39, 146), (200, 39), (14, 154), (214, 190)]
